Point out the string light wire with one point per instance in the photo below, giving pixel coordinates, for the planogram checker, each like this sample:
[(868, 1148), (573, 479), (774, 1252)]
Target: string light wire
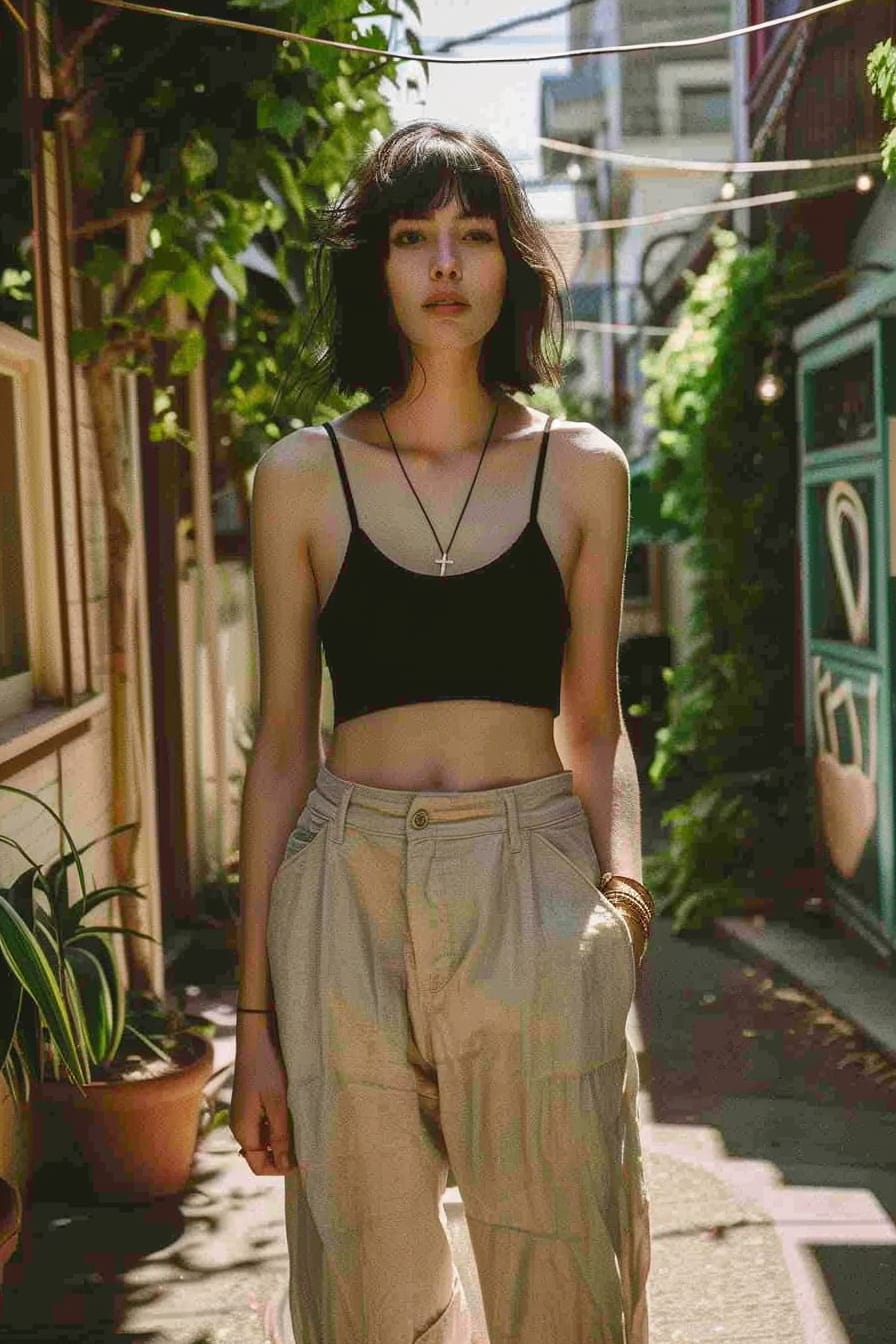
[(425, 59), (775, 198), (580, 324), (705, 165), (712, 207)]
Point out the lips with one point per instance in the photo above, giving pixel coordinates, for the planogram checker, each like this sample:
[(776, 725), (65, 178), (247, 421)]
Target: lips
[(446, 301)]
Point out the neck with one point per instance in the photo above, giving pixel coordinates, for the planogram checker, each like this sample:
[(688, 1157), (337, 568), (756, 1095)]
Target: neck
[(448, 413)]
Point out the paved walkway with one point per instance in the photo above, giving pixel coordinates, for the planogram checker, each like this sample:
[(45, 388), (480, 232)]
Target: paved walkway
[(771, 1172), (769, 1129)]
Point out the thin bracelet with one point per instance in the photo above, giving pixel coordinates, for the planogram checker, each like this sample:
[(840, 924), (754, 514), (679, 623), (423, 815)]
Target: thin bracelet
[(624, 894), (631, 894), (636, 906), (636, 915), (638, 887), (255, 1010)]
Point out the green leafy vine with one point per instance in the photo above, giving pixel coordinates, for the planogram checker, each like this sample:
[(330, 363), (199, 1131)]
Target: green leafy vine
[(726, 464), (881, 70)]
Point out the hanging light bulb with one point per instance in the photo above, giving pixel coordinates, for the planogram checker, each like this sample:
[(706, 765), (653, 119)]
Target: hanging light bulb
[(770, 387), (573, 170), (729, 191), (864, 182)]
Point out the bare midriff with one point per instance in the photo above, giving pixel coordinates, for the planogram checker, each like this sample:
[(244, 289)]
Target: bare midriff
[(450, 745)]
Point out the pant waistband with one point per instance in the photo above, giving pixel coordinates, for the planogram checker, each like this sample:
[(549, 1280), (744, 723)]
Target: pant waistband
[(418, 812)]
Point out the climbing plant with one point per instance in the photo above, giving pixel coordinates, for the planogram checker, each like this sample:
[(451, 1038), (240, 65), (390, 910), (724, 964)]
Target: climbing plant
[(881, 70), (726, 464)]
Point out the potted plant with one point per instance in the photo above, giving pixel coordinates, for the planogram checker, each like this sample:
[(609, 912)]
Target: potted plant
[(106, 1072), (10, 1222)]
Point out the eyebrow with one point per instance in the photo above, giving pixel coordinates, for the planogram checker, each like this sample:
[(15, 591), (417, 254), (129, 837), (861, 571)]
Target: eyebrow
[(430, 214)]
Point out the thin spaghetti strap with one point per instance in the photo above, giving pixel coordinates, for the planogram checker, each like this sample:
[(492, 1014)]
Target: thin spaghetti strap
[(539, 470), (346, 489)]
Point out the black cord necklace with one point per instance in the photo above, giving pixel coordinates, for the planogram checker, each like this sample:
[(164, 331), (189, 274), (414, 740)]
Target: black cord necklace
[(443, 558)]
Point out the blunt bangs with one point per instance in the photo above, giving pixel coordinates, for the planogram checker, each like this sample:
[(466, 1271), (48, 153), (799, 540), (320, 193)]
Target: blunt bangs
[(420, 168), (415, 189)]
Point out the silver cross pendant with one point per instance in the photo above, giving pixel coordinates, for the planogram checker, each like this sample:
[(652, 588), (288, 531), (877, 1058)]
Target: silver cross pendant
[(443, 561)]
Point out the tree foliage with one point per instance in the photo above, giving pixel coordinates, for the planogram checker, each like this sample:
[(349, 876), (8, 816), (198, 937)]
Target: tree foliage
[(216, 144), (881, 69)]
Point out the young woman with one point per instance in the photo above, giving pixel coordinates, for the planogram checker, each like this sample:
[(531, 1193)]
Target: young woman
[(442, 922)]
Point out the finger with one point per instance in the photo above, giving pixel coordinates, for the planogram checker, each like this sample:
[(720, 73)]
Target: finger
[(277, 1137), (265, 1164), (279, 1145)]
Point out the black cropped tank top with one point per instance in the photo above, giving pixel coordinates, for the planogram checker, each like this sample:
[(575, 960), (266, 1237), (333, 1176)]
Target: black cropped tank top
[(392, 636)]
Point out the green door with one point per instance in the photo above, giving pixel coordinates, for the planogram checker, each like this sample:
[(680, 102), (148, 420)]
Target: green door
[(847, 405)]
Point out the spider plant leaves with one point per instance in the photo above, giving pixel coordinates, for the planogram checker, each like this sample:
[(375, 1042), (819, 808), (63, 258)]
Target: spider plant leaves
[(28, 962)]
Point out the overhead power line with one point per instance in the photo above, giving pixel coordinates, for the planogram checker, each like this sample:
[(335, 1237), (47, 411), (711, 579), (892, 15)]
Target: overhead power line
[(518, 21), (285, 36)]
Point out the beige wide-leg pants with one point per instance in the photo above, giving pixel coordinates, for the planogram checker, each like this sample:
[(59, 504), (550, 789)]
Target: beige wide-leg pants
[(452, 991)]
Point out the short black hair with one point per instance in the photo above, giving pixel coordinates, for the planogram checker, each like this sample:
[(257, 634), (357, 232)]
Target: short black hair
[(418, 168)]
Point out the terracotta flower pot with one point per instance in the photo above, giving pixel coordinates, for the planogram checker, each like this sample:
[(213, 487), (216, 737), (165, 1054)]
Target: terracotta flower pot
[(10, 1222), (132, 1139)]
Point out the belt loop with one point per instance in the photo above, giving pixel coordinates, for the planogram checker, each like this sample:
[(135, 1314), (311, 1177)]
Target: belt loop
[(513, 819), (341, 811)]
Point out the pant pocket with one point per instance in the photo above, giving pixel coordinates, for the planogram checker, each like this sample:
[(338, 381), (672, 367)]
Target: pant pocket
[(310, 822), (572, 841), (586, 974), (309, 831)]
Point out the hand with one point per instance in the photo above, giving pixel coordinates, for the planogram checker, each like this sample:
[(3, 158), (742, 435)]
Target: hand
[(259, 1117), (635, 932)]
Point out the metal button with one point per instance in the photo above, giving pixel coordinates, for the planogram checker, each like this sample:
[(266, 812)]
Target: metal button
[(420, 818)]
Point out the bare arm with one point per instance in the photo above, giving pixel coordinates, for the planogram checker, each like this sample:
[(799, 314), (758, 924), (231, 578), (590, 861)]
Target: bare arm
[(590, 732), (279, 777), (272, 799), (286, 754)]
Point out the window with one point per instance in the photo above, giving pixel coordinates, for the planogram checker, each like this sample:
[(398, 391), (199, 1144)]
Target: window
[(704, 110), (30, 639), (694, 97), (13, 635)]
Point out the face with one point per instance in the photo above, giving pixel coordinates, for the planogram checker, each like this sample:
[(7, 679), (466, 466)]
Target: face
[(445, 252)]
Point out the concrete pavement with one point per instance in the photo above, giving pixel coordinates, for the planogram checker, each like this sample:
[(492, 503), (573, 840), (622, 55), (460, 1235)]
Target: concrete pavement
[(769, 1130), (773, 1204)]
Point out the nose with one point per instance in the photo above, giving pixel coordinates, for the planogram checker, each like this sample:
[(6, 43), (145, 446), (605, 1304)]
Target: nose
[(445, 260)]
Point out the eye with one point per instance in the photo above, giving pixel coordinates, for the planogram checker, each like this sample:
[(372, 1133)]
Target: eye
[(484, 234)]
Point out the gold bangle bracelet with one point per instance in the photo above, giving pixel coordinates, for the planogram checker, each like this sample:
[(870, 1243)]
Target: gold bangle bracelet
[(631, 899), (632, 896), (638, 915), (637, 887), (645, 931)]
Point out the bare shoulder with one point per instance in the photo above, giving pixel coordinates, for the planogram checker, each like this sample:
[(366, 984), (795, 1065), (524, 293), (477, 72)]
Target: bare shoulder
[(589, 447), (595, 479), (292, 473), (298, 455)]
